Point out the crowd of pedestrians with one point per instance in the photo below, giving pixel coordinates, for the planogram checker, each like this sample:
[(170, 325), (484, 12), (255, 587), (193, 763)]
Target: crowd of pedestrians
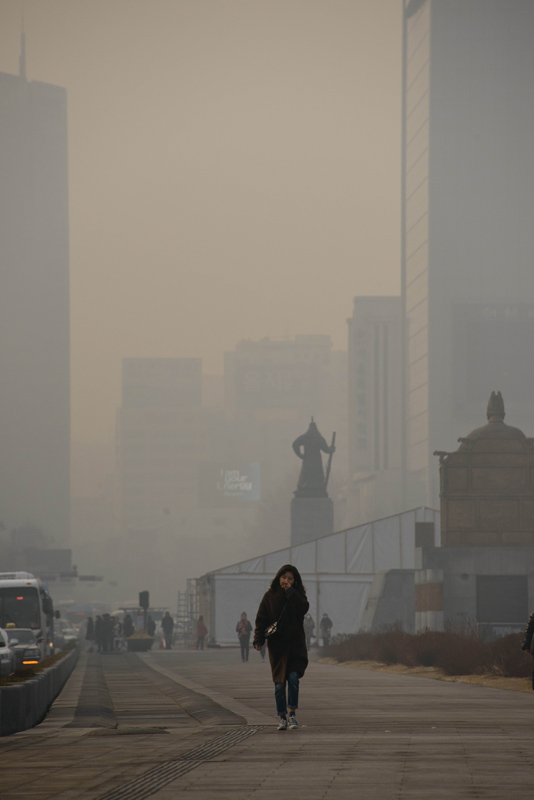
[(283, 626), (106, 634)]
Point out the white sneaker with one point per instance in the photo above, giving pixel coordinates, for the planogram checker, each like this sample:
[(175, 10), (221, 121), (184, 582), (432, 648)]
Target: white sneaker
[(282, 724), (293, 724)]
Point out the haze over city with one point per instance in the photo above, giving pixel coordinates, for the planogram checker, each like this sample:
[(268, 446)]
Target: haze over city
[(219, 220), (266, 397), (234, 172)]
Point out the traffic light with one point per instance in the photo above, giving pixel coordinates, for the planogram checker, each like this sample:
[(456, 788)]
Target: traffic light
[(143, 600)]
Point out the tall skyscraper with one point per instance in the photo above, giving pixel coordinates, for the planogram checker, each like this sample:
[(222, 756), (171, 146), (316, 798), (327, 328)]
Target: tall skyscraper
[(34, 306), (468, 236), (375, 380)]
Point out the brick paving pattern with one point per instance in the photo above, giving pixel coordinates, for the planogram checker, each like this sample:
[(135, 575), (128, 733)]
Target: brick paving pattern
[(193, 725)]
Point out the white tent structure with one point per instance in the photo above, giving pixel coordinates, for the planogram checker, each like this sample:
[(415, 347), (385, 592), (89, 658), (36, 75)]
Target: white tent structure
[(337, 571)]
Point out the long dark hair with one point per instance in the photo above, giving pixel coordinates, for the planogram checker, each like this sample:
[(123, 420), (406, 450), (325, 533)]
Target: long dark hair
[(297, 584)]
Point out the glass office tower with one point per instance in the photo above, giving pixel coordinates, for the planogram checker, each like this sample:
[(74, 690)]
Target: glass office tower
[(468, 232)]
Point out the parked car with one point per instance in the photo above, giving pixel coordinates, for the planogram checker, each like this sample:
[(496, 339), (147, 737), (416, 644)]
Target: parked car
[(7, 655), (28, 649)]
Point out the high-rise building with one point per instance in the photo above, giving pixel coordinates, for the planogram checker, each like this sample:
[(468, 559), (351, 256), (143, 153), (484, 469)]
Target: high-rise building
[(272, 389), (34, 306), (161, 438), (375, 380), (375, 370), (180, 502), (468, 237)]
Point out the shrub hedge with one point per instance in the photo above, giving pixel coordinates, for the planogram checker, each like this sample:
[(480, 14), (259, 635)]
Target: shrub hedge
[(456, 653), (26, 673)]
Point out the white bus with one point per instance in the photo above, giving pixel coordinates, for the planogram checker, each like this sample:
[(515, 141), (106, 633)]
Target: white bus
[(26, 603)]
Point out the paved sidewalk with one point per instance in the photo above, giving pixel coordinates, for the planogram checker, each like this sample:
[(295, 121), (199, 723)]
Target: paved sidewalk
[(187, 724)]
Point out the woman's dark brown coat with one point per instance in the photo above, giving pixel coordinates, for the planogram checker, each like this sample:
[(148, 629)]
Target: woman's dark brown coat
[(287, 649)]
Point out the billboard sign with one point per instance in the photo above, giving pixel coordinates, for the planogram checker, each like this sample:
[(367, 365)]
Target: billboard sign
[(228, 485)]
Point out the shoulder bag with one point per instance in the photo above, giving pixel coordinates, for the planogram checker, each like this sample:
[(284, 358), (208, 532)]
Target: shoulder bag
[(272, 630)]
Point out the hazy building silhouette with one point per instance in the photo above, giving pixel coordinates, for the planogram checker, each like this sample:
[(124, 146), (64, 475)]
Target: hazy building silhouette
[(34, 305), (468, 237), (171, 451), (279, 379), (375, 382), (161, 438), (272, 387)]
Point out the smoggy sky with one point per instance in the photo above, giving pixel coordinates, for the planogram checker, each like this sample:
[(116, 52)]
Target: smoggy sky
[(234, 172)]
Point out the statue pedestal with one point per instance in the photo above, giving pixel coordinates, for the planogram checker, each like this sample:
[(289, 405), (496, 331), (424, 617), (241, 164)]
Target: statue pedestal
[(311, 517)]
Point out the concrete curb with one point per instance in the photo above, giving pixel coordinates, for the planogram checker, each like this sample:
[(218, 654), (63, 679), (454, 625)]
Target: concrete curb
[(24, 705), (251, 715)]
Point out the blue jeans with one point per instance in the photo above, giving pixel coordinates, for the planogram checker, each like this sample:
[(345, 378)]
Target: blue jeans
[(292, 694)]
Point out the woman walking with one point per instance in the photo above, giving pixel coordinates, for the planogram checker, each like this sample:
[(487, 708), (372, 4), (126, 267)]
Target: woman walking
[(286, 604), (202, 632), (244, 629)]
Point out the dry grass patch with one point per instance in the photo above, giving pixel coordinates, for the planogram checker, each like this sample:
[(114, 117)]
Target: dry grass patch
[(486, 680)]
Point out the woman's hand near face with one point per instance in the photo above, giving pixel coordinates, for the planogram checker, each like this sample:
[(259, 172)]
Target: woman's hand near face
[(287, 580)]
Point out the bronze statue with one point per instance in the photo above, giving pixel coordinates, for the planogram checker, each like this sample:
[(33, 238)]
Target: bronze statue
[(312, 481)]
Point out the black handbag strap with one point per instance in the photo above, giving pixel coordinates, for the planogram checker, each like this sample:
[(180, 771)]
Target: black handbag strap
[(282, 614)]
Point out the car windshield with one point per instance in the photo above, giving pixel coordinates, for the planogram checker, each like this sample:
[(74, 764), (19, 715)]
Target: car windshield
[(23, 635)]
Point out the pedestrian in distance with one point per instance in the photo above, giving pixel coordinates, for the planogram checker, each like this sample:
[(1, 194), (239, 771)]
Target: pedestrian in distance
[(118, 636), (128, 627), (285, 603), (309, 627), (202, 632), (167, 625), (244, 629), (528, 641), (326, 629), (90, 634), (98, 633), (108, 626)]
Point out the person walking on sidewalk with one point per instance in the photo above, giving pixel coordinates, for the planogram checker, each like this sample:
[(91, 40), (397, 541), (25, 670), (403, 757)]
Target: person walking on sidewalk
[(309, 627), (167, 626), (128, 626), (286, 604), (90, 634), (528, 640), (244, 629), (98, 633), (202, 632), (326, 629)]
